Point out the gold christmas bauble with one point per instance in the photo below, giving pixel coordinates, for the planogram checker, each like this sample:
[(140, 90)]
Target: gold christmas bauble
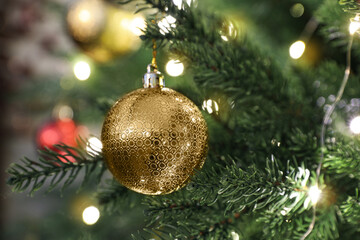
[(103, 31), (153, 140), (86, 20)]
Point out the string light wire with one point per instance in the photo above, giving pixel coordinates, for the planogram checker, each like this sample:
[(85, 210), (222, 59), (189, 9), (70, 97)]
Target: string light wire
[(325, 122)]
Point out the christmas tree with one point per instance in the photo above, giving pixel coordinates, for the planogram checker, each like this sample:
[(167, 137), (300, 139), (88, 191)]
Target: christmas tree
[(277, 85)]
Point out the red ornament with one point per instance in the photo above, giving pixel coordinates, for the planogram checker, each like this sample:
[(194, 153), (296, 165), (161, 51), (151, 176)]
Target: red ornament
[(62, 131)]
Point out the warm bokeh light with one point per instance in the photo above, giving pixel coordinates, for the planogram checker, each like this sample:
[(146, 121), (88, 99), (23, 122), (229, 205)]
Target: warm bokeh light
[(297, 49), (297, 10), (180, 3), (174, 68), (82, 70), (355, 125), (354, 25), (64, 112), (314, 194), (84, 15), (137, 24), (235, 236), (228, 31), (210, 106), (85, 19), (91, 215), (93, 146), (166, 23), (224, 38)]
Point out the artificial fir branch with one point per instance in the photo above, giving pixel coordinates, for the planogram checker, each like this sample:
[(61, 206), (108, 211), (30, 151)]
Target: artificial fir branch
[(219, 230), (278, 226), (350, 210), (252, 189), (342, 159), (189, 20), (55, 167), (166, 221), (350, 5), (113, 195)]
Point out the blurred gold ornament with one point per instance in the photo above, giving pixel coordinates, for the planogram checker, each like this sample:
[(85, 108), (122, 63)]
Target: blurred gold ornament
[(153, 138), (103, 31), (86, 20)]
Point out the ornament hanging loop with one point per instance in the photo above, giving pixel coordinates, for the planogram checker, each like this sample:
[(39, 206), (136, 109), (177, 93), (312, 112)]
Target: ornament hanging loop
[(154, 52), (153, 78)]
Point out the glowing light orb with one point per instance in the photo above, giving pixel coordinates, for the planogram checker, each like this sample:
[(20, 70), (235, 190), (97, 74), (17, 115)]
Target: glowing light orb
[(136, 25), (91, 215), (93, 146), (224, 38), (65, 112), (234, 235), (354, 25), (314, 194), (166, 23), (228, 31), (174, 68), (210, 106), (297, 10), (297, 49), (180, 3), (84, 16), (82, 70), (355, 125)]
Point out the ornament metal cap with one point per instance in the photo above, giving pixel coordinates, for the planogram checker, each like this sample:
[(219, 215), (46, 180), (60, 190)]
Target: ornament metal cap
[(153, 78)]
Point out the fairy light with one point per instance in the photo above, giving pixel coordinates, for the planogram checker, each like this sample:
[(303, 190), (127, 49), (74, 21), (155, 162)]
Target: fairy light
[(210, 106), (354, 25), (174, 68), (84, 15), (180, 3), (235, 235), (93, 146), (314, 194), (82, 70), (355, 125), (224, 38), (65, 112), (297, 49), (166, 23), (91, 215), (137, 24), (229, 30), (297, 10)]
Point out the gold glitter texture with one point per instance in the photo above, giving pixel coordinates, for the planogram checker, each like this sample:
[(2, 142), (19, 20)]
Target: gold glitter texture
[(153, 139)]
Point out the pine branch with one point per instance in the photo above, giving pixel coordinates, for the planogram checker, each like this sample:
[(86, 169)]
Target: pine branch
[(164, 215), (192, 24), (350, 5), (114, 195), (278, 226), (251, 188), (60, 168), (350, 210), (237, 190), (237, 67), (342, 159), (335, 22), (221, 229)]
